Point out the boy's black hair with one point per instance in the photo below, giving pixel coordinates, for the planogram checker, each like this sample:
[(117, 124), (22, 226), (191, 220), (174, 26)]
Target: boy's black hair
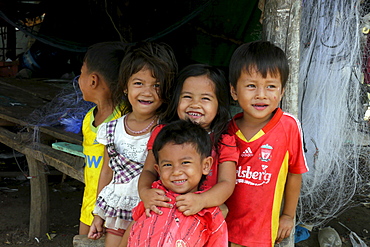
[(184, 132), (263, 56), (157, 57), (105, 59), (222, 92), (181, 132)]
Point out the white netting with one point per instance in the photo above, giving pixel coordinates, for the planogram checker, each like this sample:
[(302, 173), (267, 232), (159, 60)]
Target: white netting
[(332, 102)]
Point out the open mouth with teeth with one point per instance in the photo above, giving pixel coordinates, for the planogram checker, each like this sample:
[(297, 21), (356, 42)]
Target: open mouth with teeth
[(145, 102), (179, 181), (260, 106), (194, 114)]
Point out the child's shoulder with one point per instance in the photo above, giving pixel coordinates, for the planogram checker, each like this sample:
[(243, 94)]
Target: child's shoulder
[(286, 124), (288, 118), (232, 126), (90, 111), (227, 139)]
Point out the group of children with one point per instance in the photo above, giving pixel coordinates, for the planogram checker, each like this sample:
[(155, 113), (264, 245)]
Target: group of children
[(166, 165)]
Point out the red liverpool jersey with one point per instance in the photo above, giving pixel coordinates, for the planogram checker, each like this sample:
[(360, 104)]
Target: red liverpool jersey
[(264, 163)]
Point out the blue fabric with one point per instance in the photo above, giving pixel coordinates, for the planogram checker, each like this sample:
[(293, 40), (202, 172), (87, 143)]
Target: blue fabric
[(301, 234)]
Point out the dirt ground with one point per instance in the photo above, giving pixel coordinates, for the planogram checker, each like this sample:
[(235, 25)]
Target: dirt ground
[(65, 201)]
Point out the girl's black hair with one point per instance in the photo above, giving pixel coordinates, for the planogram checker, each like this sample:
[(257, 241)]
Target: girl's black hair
[(222, 92), (159, 59), (263, 56), (105, 59)]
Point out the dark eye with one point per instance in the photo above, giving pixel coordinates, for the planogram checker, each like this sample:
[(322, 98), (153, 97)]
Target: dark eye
[(206, 98), (251, 86), (271, 86), (157, 85), (139, 83), (186, 97), (166, 164)]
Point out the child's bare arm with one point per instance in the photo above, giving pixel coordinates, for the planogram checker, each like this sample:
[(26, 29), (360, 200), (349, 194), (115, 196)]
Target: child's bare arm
[(96, 228), (291, 195), (152, 198), (106, 173), (192, 203)]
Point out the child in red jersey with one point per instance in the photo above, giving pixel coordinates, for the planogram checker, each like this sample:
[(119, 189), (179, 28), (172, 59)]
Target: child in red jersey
[(182, 151), (271, 157), (202, 96)]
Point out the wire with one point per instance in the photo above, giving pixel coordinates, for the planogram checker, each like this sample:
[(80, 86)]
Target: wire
[(114, 25)]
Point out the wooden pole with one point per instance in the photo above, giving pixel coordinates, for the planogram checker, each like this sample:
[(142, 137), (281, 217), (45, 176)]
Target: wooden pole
[(281, 25), (11, 42), (39, 212)]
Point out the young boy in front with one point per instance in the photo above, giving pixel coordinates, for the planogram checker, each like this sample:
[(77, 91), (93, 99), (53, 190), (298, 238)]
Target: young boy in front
[(182, 151), (271, 149)]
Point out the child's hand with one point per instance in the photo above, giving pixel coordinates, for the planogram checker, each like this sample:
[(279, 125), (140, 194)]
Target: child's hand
[(153, 198), (189, 203), (96, 229), (286, 224)]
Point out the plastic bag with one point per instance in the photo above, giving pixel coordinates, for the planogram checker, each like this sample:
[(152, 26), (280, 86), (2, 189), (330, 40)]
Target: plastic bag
[(356, 240), (328, 237)]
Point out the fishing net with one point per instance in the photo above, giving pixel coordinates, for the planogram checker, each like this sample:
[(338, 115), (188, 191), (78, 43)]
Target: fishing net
[(66, 110), (333, 102)]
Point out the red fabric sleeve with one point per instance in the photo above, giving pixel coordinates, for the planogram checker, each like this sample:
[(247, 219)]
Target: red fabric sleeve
[(153, 136), (297, 160), (138, 211), (219, 235), (228, 151)]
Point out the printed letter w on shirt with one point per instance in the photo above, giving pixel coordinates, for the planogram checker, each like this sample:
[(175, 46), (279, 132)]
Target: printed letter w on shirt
[(91, 160)]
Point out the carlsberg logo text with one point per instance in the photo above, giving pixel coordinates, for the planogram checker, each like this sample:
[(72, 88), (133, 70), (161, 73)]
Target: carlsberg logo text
[(255, 175)]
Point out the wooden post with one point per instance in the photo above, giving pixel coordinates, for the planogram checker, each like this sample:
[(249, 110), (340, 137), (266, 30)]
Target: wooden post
[(39, 212), (281, 25), (11, 42)]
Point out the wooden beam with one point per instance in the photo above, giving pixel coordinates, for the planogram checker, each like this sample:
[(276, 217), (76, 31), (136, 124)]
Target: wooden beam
[(68, 164)]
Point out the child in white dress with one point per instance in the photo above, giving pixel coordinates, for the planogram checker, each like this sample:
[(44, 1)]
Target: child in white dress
[(146, 75)]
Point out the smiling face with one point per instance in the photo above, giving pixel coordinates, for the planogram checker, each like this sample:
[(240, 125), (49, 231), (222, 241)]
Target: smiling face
[(142, 93), (198, 101), (181, 167), (257, 96)]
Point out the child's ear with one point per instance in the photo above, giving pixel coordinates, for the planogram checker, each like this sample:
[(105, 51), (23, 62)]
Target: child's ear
[(233, 93), (94, 80), (282, 92), (156, 167), (207, 164)]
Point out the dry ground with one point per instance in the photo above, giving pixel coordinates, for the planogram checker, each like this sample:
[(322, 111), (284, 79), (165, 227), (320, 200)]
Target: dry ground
[(65, 202)]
